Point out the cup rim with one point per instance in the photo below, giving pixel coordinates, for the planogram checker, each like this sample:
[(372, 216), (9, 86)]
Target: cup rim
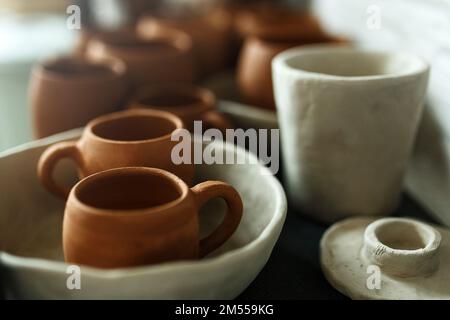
[(105, 212), (89, 130), (281, 62), (206, 100), (116, 67)]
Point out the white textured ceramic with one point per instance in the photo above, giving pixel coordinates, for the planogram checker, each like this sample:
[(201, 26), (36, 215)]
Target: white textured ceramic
[(411, 258), (242, 115), (348, 119), (31, 258)]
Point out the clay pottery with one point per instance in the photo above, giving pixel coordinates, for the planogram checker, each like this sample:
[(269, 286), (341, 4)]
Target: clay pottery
[(188, 102), (164, 58), (121, 139), (211, 35), (138, 216), (67, 92), (348, 118), (254, 75), (277, 22), (390, 258)]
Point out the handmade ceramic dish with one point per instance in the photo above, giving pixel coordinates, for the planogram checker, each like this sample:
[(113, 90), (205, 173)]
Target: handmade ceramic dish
[(31, 255), (242, 115)]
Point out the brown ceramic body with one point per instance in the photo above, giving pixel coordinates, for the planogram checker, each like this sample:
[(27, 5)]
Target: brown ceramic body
[(135, 216), (188, 102), (164, 57), (211, 36), (68, 92), (121, 139), (254, 75)]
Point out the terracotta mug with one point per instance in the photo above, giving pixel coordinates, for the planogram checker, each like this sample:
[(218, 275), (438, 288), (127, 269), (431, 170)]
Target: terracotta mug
[(348, 119), (211, 35), (188, 102), (136, 216), (254, 76), (121, 139), (164, 57), (68, 92)]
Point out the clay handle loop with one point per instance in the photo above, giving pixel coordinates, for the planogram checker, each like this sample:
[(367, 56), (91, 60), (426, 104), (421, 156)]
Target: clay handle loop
[(47, 164), (215, 119), (208, 190)]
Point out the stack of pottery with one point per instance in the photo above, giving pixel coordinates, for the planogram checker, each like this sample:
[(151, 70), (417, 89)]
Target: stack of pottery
[(132, 198), (267, 31)]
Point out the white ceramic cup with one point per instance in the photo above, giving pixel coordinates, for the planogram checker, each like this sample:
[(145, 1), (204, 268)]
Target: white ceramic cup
[(348, 118)]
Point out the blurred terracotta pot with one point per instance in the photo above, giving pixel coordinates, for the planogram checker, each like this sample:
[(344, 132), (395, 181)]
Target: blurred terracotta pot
[(254, 76), (68, 92), (165, 57), (273, 22), (211, 36), (188, 102)]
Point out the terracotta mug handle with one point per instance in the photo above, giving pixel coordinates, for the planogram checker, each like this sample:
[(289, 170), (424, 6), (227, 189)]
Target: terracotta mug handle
[(215, 119), (208, 190), (47, 164)]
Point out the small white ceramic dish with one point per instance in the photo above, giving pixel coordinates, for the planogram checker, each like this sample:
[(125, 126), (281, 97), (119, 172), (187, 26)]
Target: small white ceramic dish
[(31, 258), (389, 258), (243, 115)]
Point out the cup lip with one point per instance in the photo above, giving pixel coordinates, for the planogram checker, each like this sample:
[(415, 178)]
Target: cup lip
[(116, 67), (206, 99), (104, 212), (89, 130), (280, 62)]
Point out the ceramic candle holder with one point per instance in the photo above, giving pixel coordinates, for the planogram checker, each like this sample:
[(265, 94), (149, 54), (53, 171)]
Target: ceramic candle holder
[(164, 57), (188, 102), (390, 258), (121, 139), (348, 119), (68, 92), (137, 216)]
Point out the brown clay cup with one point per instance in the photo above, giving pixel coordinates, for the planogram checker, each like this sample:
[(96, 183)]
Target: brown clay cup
[(211, 36), (121, 139), (254, 75), (164, 57), (188, 102), (68, 92), (138, 216)]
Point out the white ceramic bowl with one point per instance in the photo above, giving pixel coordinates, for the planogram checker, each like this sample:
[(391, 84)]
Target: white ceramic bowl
[(31, 258)]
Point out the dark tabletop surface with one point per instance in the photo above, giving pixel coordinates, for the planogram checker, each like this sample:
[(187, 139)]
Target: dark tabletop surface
[(293, 271)]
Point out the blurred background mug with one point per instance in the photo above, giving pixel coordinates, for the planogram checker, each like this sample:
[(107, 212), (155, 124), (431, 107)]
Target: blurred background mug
[(348, 119)]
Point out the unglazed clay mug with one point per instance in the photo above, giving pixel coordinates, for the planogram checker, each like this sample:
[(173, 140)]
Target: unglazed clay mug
[(188, 102), (164, 57), (211, 35), (254, 71), (68, 92), (136, 216), (121, 139), (348, 119)]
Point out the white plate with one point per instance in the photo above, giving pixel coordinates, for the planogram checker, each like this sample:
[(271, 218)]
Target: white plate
[(243, 115), (31, 256)]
